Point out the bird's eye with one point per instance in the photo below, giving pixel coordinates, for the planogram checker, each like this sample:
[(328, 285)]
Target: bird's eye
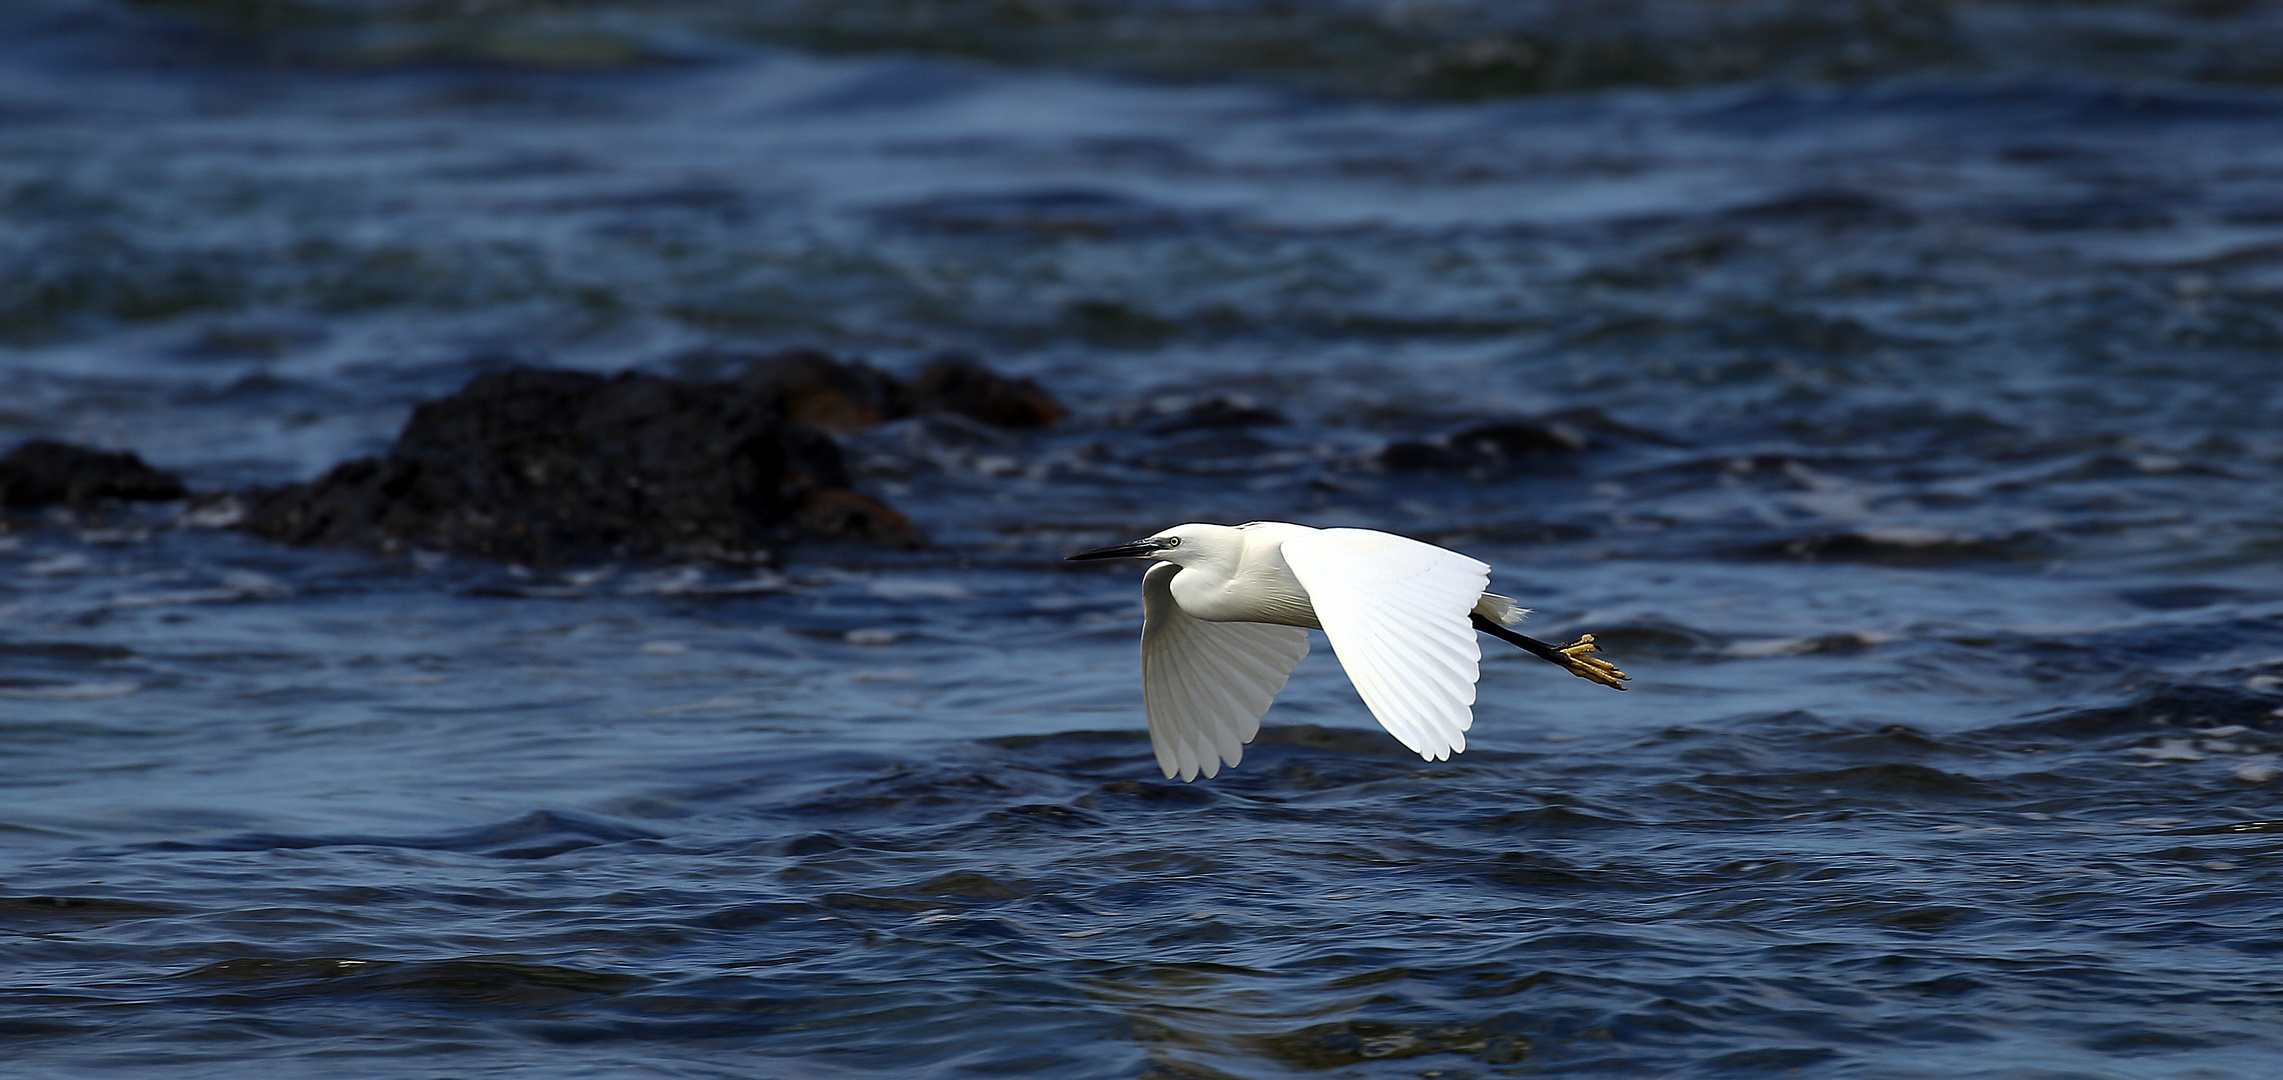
[(1172, 541)]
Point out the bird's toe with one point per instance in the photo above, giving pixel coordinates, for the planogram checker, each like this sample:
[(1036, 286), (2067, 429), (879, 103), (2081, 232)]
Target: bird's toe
[(1584, 665)]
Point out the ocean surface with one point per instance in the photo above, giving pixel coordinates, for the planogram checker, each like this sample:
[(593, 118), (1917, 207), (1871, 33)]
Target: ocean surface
[(1903, 408)]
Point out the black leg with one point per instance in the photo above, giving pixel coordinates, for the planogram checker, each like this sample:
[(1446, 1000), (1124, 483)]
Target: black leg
[(1569, 658), (1525, 642)]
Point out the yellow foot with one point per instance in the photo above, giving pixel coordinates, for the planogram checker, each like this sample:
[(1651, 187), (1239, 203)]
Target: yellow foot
[(1586, 666)]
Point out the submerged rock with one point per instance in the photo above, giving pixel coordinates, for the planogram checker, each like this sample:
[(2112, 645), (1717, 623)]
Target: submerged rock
[(43, 472), (1486, 448), (1216, 414), (1503, 446), (833, 395), (817, 391), (544, 467), (956, 383)]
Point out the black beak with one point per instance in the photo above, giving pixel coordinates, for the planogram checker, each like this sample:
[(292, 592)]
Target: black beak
[(1134, 550)]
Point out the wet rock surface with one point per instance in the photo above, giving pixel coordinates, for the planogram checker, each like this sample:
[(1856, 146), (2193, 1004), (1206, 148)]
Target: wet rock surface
[(1486, 448), (41, 473), (960, 384), (814, 390), (821, 392), (545, 467)]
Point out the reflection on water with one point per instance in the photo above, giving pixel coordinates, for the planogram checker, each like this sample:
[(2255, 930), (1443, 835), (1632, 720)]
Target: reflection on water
[(1912, 440)]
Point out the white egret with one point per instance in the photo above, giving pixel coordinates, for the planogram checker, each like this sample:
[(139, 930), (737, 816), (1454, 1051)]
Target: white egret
[(1227, 610)]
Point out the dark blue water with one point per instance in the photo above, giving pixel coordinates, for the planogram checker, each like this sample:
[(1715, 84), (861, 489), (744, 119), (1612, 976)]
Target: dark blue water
[(1921, 456)]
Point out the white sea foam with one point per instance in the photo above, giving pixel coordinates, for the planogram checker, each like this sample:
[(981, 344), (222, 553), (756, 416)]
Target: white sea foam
[(87, 691)]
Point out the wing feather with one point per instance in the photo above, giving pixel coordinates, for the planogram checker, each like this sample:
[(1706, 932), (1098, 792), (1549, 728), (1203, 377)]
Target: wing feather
[(1438, 673), (1193, 751), (1206, 684), (1433, 648), (1396, 612)]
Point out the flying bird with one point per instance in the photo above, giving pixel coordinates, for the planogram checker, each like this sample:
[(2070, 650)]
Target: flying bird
[(1227, 609)]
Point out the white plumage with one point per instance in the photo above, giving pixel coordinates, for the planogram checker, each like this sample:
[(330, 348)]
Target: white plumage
[(1226, 614)]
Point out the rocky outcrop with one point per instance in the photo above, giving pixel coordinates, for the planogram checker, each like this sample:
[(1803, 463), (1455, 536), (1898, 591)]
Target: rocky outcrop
[(43, 472), (956, 383), (546, 467), (1513, 445), (818, 391)]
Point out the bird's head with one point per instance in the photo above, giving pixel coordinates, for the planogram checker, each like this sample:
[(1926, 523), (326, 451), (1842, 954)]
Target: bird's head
[(1194, 544)]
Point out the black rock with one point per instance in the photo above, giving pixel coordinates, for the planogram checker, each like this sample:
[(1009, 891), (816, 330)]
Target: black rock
[(1486, 448), (1218, 413), (44, 472), (545, 467), (1502, 446), (956, 383), (817, 391)]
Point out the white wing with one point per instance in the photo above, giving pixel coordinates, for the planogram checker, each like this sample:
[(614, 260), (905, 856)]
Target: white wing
[(1205, 684), (1396, 611)]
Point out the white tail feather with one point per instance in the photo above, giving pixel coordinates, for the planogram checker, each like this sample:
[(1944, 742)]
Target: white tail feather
[(1501, 610)]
